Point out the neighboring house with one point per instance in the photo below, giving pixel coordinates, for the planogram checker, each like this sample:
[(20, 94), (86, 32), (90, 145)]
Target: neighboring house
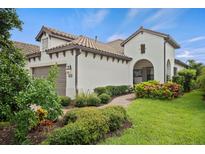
[(86, 63)]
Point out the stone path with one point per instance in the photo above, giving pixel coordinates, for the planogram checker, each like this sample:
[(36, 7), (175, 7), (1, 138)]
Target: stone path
[(123, 100)]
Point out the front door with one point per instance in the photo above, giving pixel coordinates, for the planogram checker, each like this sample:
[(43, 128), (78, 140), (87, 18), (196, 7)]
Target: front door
[(143, 74)]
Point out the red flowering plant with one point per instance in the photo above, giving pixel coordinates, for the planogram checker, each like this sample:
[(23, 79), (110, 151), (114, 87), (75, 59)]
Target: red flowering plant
[(153, 89)]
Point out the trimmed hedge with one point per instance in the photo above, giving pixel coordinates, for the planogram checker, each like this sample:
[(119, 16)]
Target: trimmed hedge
[(87, 125), (104, 98), (116, 116), (153, 89), (65, 100), (100, 90), (113, 90)]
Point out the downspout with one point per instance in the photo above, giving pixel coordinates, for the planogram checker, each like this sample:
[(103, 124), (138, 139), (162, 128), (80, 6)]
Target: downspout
[(78, 52), (165, 60)]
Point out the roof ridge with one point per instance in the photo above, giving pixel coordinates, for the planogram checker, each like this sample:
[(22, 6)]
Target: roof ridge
[(115, 40), (25, 43), (57, 30)]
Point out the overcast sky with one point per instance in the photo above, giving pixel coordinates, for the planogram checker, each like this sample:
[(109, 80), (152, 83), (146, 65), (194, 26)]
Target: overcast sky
[(186, 26)]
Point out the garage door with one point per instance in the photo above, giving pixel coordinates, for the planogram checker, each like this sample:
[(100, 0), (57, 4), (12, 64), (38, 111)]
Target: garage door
[(61, 79)]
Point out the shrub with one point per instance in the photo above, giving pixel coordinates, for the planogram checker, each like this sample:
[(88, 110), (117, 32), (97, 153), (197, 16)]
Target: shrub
[(93, 100), (24, 120), (117, 90), (201, 80), (89, 127), (42, 114), (81, 100), (113, 90), (100, 90), (178, 79), (41, 92), (79, 114), (189, 75), (65, 100), (116, 116), (153, 89), (84, 99), (174, 88), (104, 98)]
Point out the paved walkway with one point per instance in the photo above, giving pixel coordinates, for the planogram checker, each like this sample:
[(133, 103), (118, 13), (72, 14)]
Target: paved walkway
[(123, 100)]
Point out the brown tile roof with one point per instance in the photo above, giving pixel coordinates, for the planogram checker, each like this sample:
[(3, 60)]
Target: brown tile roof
[(56, 33), (91, 45), (117, 45), (26, 48), (166, 36)]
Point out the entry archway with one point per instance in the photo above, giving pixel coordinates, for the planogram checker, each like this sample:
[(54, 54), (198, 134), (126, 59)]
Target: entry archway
[(143, 71)]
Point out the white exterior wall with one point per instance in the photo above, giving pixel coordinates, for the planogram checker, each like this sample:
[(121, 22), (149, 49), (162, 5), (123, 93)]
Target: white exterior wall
[(95, 72), (56, 42), (179, 67), (68, 59), (154, 52), (170, 55)]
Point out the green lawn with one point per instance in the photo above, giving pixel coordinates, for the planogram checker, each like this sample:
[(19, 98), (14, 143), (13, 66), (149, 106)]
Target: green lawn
[(180, 121)]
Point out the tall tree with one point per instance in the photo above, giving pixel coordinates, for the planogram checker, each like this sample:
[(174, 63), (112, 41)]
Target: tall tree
[(13, 76), (195, 65), (8, 21)]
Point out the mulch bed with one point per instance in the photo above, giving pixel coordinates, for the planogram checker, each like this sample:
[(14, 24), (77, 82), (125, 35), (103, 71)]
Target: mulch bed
[(36, 136), (41, 132), (7, 135)]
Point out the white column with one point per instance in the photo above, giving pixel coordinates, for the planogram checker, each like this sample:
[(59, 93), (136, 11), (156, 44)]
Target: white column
[(70, 75)]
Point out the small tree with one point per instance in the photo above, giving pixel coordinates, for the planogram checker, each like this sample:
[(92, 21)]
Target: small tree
[(196, 66), (188, 75), (13, 76)]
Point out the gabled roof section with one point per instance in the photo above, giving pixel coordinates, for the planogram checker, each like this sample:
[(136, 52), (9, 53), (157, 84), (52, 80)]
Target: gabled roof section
[(55, 33), (90, 45), (27, 49), (179, 62), (117, 45), (167, 37)]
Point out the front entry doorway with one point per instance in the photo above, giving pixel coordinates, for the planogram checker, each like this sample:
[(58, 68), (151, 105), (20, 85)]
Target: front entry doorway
[(143, 71)]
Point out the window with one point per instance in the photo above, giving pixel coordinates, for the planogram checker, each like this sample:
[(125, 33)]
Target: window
[(142, 48), (45, 44), (175, 71)]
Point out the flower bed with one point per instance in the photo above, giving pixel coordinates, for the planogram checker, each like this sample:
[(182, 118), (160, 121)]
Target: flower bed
[(153, 89)]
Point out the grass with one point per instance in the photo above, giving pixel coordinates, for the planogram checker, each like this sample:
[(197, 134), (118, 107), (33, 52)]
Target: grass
[(180, 121)]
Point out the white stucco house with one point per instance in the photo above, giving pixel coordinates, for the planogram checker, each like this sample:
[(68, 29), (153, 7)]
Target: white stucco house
[(86, 63)]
